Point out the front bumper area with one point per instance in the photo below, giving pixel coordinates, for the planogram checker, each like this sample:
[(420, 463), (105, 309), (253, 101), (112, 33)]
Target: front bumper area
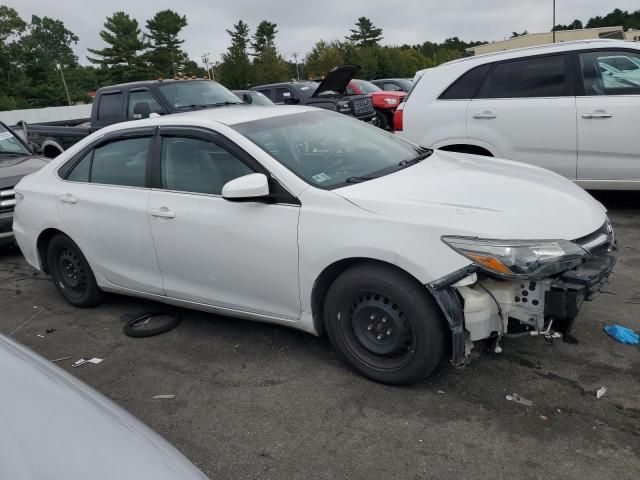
[(6, 230)]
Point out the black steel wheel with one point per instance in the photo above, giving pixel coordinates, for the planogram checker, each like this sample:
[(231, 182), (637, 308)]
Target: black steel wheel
[(71, 273), (385, 324)]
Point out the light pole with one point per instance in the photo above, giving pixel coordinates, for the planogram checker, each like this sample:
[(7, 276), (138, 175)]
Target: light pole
[(295, 55), (205, 60), (66, 90), (553, 29)]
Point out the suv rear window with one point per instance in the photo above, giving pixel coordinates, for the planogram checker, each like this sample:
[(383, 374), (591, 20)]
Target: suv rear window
[(466, 86), (529, 77)]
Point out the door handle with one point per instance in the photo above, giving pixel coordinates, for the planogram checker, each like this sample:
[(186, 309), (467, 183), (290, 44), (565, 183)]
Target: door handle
[(68, 198), (597, 114), (163, 212), (486, 115)]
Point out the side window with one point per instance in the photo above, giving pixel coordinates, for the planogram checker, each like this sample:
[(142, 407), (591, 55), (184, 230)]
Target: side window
[(109, 107), (281, 94), (350, 91), (267, 93), (466, 86), (80, 172), (610, 73), (121, 162), (529, 77), (142, 96), (198, 166), (391, 87)]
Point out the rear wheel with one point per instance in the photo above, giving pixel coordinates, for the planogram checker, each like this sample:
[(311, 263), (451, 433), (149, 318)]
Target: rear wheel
[(384, 324), (71, 273), (383, 121)]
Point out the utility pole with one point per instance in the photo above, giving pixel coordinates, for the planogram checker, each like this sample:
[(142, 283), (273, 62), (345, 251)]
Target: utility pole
[(554, 21), (66, 90), (205, 60), (295, 55)]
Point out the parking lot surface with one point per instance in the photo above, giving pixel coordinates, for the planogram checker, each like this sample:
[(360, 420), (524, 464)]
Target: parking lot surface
[(260, 401)]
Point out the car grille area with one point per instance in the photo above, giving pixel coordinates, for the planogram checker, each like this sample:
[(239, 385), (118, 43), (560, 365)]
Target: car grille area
[(362, 106), (7, 200)]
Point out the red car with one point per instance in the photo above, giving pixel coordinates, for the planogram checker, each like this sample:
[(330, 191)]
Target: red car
[(385, 103)]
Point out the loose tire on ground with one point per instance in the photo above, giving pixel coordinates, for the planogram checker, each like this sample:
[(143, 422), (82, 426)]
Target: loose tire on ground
[(148, 324), (71, 273), (385, 324)]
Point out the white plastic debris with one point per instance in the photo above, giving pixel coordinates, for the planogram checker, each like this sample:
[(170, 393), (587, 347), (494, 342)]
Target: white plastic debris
[(601, 391), (82, 361), (163, 397), (518, 399)]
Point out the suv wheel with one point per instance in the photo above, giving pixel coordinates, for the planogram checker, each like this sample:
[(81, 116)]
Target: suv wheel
[(71, 273), (385, 324), (383, 121)]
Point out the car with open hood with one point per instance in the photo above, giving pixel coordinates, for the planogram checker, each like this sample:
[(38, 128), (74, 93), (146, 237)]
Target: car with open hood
[(16, 160), (385, 103), (309, 219), (331, 93)]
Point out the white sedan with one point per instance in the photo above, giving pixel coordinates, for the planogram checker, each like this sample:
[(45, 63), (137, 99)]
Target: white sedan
[(313, 220)]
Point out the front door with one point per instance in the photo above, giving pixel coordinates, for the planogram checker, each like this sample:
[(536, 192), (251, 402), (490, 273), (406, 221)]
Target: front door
[(608, 116), (103, 205), (236, 255), (525, 109)]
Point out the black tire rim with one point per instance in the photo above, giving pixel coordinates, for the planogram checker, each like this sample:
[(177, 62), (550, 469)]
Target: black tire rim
[(73, 275), (378, 332)]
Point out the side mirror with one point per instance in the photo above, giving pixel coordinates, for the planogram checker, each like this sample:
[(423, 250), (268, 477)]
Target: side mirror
[(141, 110), (288, 99), (247, 98), (249, 187)]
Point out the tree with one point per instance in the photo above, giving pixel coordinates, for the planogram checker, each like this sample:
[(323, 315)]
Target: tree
[(516, 34), (11, 25), (366, 34), (575, 25), (235, 69), (270, 67), (322, 58), (165, 54), (264, 37), (617, 18), (123, 54)]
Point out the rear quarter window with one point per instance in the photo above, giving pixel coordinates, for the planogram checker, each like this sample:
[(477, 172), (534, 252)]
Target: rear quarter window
[(466, 86)]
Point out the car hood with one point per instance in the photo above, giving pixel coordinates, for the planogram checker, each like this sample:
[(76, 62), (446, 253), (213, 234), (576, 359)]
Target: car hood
[(337, 79), (54, 426), (481, 196), (12, 169)]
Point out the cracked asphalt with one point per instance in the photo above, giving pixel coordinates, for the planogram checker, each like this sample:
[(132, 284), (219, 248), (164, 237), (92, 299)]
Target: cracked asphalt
[(260, 401)]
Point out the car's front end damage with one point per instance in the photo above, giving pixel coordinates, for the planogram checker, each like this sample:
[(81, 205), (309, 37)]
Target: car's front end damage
[(521, 287)]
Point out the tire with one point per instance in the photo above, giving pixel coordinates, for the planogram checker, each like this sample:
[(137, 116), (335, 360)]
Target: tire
[(71, 273), (384, 324), (149, 324), (383, 121)]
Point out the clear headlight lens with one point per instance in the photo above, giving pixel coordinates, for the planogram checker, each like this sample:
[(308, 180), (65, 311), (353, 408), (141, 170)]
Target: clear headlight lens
[(391, 101), (519, 258)]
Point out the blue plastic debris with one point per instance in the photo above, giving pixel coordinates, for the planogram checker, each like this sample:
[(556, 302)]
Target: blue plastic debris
[(622, 334)]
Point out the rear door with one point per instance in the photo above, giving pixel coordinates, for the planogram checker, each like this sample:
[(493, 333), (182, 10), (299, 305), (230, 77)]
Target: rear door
[(608, 115), (525, 109)]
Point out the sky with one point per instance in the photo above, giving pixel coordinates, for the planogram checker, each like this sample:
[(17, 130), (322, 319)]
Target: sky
[(301, 23)]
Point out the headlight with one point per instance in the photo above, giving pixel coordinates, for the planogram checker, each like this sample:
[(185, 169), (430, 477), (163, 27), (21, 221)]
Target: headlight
[(390, 101), (344, 106), (519, 258)]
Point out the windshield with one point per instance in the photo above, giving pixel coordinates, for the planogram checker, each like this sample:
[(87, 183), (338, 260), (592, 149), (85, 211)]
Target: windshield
[(366, 87), (329, 150), (196, 93), (406, 83), (260, 99), (307, 88), (10, 145)]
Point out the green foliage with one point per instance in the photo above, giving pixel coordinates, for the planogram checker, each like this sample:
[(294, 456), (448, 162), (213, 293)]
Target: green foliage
[(366, 34), (10, 23), (270, 67), (575, 25), (516, 34), (322, 58), (617, 18), (264, 37), (165, 54), (122, 56), (235, 69)]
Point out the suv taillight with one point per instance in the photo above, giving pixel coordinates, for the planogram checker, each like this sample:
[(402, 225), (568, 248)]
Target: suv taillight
[(398, 118)]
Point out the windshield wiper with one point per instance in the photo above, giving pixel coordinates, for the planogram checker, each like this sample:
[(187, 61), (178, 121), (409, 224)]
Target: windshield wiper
[(359, 179), (222, 104), (426, 152), (15, 154)]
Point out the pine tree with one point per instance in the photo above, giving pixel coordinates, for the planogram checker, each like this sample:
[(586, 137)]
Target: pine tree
[(366, 34), (165, 54), (235, 69)]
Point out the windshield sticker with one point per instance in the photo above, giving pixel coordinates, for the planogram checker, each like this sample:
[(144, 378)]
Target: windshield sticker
[(5, 136), (321, 177)]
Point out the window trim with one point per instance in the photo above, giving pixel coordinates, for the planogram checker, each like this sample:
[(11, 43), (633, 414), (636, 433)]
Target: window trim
[(279, 193), (569, 71), (579, 84)]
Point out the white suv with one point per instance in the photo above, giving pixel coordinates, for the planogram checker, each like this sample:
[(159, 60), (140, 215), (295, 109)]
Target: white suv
[(564, 107)]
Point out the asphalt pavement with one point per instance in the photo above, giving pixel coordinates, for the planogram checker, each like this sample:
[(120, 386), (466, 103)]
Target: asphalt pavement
[(260, 401)]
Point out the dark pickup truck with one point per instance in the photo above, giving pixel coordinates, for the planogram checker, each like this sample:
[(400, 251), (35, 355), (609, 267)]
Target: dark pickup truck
[(330, 94), (130, 101)]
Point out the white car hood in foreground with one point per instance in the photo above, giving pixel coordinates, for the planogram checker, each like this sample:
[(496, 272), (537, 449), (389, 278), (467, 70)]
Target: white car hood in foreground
[(485, 197)]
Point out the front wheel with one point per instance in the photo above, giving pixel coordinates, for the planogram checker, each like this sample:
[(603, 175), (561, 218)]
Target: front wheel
[(71, 273), (385, 324)]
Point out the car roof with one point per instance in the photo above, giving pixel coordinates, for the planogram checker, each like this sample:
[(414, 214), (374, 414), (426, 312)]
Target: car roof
[(542, 49), (142, 83), (271, 85)]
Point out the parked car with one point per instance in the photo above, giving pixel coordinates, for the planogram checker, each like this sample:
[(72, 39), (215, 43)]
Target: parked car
[(394, 84), (330, 94), (620, 71), (384, 103), (251, 97), (55, 426), (392, 249), (16, 161), (551, 106), (131, 101)]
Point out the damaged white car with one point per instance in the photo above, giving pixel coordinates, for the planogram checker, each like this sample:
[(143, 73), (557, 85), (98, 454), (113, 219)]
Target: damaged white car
[(313, 220)]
